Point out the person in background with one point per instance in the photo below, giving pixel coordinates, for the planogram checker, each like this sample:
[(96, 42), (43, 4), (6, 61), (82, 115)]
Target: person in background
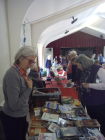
[(48, 65), (94, 56), (55, 62), (93, 85), (35, 76), (71, 69), (64, 63), (17, 88), (60, 59), (100, 58), (55, 59)]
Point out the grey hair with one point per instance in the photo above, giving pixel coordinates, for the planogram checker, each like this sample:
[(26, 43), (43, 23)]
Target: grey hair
[(72, 54), (85, 61), (24, 52)]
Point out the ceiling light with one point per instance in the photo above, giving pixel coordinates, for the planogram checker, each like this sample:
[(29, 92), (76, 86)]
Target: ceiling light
[(66, 31), (73, 20), (101, 36)]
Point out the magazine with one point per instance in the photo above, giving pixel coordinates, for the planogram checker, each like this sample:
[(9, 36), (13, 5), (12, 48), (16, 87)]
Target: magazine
[(65, 108), (50, 117), (53, 127), (36, 123), (73, 138), (91, 132), (87, 123), (52, 105), (70, 132), (80, 112), (36, 131), (47, 136), (89, 138)]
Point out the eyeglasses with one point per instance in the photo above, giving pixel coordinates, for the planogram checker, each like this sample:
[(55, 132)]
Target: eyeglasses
[(30, 61)]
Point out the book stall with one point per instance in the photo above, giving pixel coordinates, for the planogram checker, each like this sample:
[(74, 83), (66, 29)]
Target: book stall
[(56, 117)]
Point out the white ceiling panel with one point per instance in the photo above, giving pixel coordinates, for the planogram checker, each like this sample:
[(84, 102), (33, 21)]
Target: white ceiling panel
[(40, 9), (87, 21)]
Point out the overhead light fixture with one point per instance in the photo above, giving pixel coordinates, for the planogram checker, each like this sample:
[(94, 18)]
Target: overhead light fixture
[(73, 20), (101, 36), (66, 31)]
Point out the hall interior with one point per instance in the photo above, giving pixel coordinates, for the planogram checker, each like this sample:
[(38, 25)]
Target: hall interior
[(50, 27)]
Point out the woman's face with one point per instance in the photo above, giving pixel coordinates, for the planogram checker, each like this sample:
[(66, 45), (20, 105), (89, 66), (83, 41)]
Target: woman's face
[(27, 62), (79, 66)]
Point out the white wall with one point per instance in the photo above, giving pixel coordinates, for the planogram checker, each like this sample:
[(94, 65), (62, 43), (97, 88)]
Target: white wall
[(12, 13), (4, 47), (16, 10)]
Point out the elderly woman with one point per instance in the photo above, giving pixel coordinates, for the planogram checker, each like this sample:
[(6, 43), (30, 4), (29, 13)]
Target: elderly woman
[(71, 69), (72, 72), (17, 88), (93, 82)]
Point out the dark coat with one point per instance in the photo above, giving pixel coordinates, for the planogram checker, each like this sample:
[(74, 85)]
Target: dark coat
[(48, 64), (92, 96)]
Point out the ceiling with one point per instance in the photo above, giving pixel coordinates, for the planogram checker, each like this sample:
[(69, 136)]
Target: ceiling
[(90, 16)]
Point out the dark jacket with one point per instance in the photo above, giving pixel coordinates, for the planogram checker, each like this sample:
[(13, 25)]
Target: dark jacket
[(48, 64), (37, 81), (92, 96), (34, 74)]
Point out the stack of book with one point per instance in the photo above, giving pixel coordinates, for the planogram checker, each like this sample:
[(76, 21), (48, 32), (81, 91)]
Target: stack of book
[(56, 121)]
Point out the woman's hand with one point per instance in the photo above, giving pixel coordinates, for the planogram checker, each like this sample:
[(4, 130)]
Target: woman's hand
[(29, 82), (85, 85)]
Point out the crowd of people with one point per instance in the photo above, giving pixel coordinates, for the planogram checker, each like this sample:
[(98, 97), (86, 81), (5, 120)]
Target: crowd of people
[(88, 73), (18, 82), (92, 91)]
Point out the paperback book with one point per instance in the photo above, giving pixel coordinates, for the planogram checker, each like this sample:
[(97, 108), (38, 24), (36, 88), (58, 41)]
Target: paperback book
[(47, 136), (87, 123), (91, 132), (70, 132), (52, 105), (50, 117), (53, 127)]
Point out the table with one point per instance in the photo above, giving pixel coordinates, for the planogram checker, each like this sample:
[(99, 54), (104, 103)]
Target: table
[(65, 91)]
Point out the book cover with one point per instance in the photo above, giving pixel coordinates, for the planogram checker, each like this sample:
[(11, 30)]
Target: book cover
[(89, 138), (52, 105), (47, 136), (91, 132), (87, 123), (53, 127), (50, 117), (70, 132), (35, 131)]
